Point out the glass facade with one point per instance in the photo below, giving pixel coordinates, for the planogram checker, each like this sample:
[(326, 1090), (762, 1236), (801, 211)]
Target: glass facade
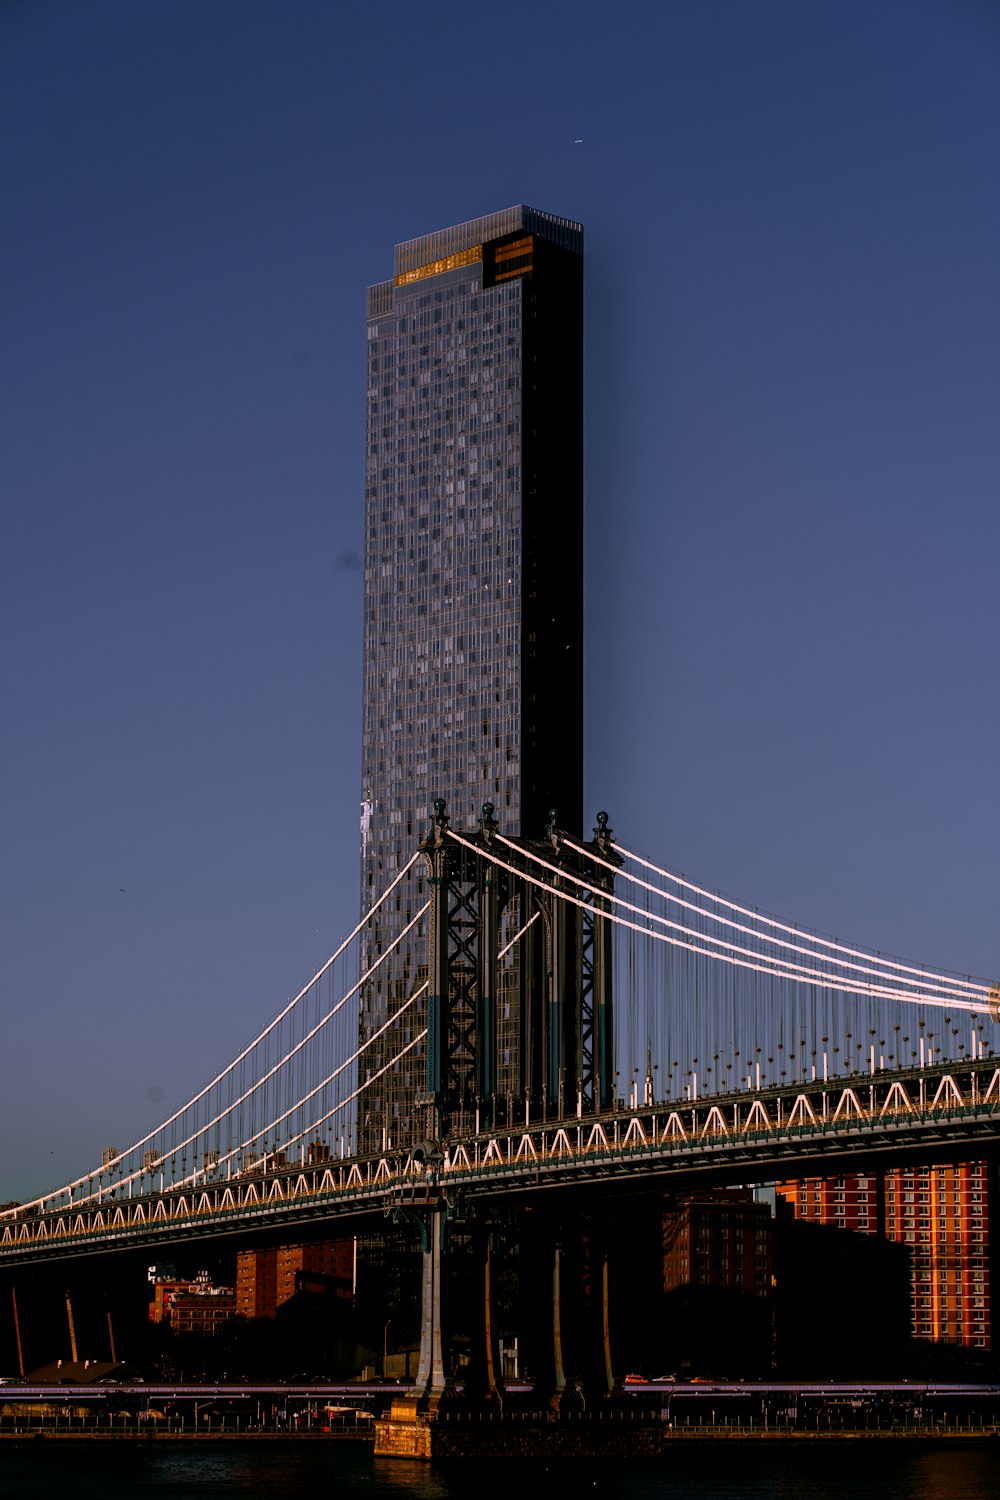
[(473, 576)]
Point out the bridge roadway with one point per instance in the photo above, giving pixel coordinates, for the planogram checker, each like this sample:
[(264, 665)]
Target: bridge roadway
[(947, 1111), (376, 1393), (142, 1392)]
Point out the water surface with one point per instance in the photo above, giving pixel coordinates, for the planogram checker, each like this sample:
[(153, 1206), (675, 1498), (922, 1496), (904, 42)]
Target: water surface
[(853, 1470)]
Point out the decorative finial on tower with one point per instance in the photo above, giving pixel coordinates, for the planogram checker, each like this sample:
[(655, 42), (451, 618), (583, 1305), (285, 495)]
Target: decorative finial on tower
[(602, 847), (438, 830), (552, 826), (488, 824)]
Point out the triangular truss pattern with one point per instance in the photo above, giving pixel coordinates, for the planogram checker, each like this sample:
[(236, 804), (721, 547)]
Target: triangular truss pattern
[(715, 1123), (948, 1093), (897, 1102), (757, 1118), (849, 1107), (674, 1129), (801, 1113)]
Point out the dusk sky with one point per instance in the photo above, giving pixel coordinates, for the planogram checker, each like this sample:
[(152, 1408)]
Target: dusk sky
[(792, 225)]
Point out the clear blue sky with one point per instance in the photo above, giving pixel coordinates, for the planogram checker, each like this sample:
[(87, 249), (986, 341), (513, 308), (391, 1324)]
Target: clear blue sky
[(793, 473)]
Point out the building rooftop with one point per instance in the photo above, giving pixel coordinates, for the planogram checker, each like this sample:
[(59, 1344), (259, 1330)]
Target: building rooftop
[(452, 241)]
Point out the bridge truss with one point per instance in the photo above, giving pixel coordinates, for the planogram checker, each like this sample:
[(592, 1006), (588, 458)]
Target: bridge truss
[(656, 1023), (750, 1136)]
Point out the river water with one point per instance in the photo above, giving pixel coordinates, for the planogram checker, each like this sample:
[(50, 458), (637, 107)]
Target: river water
[(852, 1470)]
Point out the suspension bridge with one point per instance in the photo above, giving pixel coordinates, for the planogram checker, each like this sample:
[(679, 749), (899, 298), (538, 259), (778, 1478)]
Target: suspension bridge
[(562, 1019)]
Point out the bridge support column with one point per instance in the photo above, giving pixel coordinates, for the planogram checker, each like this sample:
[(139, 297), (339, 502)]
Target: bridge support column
[(484, 1367), (542, 1272), (430, 1382), (601, 1380), (544, 1266), (558, 1371)]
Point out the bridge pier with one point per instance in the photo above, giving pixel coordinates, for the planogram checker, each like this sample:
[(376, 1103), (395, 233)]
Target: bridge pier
[(546, 1263), (565, 1278), (541, 1276), (484, 1378), (406, 1433), (557, 1371), (599, 1376), (431, 1382)]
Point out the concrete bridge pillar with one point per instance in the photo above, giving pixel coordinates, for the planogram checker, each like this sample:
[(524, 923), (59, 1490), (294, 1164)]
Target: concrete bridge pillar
[(484, 1376), (600, 1376), (565, 1281), (542, 1265), (430, 1382), (558, 1373)]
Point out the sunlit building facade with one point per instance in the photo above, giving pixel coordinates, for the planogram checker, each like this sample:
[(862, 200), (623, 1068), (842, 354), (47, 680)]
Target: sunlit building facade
[(938, 1219), (473, 615), (269, 1276)]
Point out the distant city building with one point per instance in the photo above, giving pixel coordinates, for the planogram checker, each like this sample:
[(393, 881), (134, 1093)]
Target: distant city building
[(473, 615), (717, 1239), (717, 1283), (257, 1283), (202, 1312), (164, 1270), (937, 1218), (191, 1306), (268, 1277)]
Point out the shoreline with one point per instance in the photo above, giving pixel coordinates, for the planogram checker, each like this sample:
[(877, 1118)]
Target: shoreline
[(498, 1440)]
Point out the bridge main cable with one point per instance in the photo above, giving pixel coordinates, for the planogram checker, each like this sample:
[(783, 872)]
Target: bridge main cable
[(920, 970), (324, 1083), (340, 1105), (152, 1136), (936, 979), (775, 968)]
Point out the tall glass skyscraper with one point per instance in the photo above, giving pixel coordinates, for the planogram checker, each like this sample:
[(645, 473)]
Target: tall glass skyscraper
[(473, 623)]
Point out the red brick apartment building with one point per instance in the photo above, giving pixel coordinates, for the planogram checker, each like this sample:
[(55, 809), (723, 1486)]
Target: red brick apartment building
[(939, 1217), (268, 1277)]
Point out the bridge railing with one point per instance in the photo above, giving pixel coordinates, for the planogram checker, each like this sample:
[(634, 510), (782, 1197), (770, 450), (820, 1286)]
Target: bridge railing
[(775, 1132)]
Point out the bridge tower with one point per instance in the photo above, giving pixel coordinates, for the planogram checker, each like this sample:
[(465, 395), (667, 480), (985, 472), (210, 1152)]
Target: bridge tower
[(556, 893), (565, 1061)]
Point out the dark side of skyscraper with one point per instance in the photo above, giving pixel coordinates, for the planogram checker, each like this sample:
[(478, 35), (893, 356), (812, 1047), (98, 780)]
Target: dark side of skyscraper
[(473, 616)]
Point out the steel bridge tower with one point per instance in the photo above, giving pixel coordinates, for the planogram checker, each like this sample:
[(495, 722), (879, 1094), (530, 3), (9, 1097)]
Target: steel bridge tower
[(565, 1060), (557, 895)]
